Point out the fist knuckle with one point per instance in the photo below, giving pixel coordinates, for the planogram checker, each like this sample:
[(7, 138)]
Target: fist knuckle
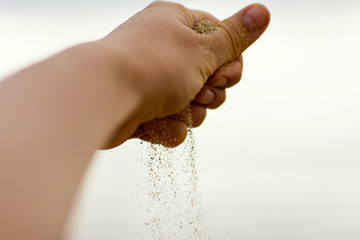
[(154, 3), (167, 4)]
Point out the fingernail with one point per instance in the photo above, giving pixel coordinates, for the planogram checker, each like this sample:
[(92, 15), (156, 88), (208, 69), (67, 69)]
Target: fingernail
[(207, 97), (221, 82), (255, 18)]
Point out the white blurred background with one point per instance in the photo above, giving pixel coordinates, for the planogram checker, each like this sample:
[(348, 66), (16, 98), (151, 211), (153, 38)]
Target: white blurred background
[(279, 160)]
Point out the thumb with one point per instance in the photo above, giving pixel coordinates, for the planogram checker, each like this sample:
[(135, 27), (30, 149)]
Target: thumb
[(238, 32)]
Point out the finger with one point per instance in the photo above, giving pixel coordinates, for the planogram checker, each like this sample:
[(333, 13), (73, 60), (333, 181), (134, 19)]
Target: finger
[(198, 113), (192, 116), (171, 131), (220, 96), (205, 96), (237, 33), (227, 75), (165, 131)]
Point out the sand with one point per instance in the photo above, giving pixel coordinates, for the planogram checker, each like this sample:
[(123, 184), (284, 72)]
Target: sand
[(205, 27)]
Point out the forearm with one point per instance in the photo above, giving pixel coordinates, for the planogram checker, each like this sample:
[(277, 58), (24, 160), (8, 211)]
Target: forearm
[(53, 117)]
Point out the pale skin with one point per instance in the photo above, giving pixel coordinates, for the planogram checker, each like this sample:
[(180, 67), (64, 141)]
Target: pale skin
[(56, 113)]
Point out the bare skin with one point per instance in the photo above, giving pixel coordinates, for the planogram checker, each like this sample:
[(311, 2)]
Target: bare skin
[(56, 113)]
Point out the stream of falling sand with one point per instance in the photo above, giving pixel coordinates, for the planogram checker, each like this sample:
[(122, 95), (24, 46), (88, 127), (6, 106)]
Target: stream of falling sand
[(172, 202)]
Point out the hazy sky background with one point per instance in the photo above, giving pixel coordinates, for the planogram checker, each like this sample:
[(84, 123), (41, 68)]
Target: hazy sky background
[(279, 160)]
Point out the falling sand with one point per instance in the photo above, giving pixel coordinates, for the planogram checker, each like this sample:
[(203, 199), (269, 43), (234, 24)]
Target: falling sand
[(172, 198)]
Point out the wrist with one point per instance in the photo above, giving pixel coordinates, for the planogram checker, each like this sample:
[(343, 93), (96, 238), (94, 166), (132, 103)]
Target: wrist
[(107, 85), (130, 67)]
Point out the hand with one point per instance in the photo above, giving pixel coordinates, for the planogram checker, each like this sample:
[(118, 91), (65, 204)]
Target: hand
[(172, 130), (141, 79), (179, 71)]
